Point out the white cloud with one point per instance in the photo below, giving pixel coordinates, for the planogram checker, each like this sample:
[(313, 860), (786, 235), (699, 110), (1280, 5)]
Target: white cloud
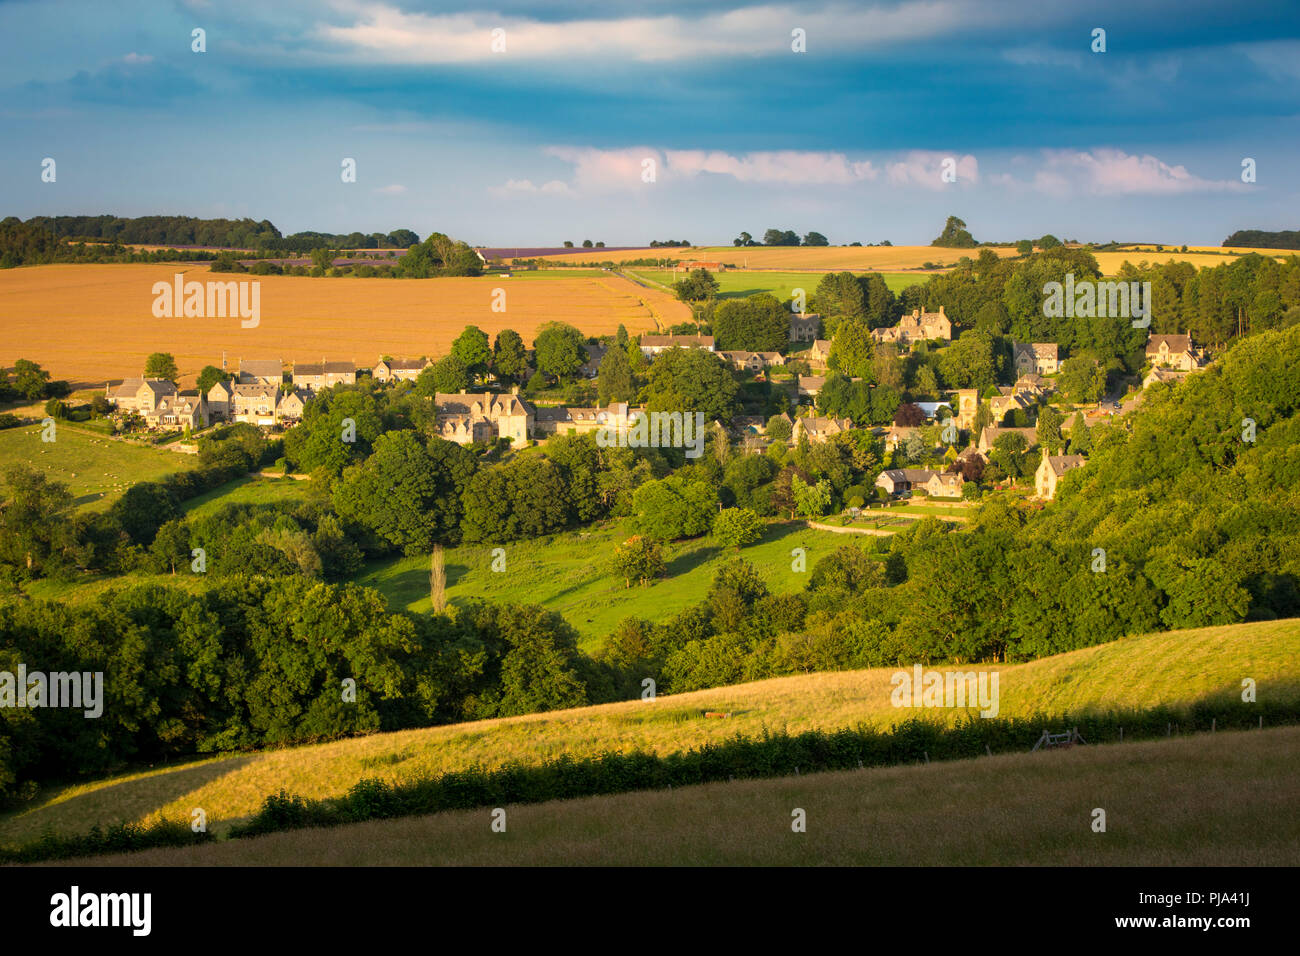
[(396, 189), (925, 168), (137, 58), (791, 167), (379, 31), (526, 187), (1113, 172)]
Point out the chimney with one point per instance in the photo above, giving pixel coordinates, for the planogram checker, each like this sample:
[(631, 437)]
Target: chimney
[(514, 389), (941, 310)]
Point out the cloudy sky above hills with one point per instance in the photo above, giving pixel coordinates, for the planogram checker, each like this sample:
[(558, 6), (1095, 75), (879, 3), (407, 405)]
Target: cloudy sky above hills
[(548, 139)]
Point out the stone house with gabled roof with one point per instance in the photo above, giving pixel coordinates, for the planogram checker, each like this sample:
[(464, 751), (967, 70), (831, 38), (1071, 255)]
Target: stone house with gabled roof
[(1159, 373), (390, 370), (898, 480), (178, 411), (568, 420), (820, 428), (753, 361), (318, 375), (254, 404), (141, 395), (917, 327), (1050, 470), (819, 354), (805, 326), (945, 484), (468, 417), (261, 372), (652, 345), (1172, 351), (1041, 358)]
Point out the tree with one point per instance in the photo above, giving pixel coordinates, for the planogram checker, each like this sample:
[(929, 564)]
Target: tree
[(615, 382), (779, 428), (758, 323), (812, 501), (1082, 379), (540, 667), (34, 526), (744, 239), (737, 527), (1009, 453), (780, 237), (886, 366), (674, 507), (161, 365), (955, 236), (815, 239), (586, 243), (438, 579), (692, 380), (322, 258), (471, 349), (698, 286), (447, 375), (1080, 437), (848, 569), (30, 380), (407, 494), (638, 558), (509, 358), (1025, 246), (1049, 430), (568, 243), (1048, 242), (210, 376), (559, 350), (852, 350), (909, 415)]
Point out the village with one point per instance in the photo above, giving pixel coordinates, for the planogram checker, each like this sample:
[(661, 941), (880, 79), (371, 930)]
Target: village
[(934, 451)]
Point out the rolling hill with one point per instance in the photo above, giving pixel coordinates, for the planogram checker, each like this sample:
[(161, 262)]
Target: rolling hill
[(1176, 669), (1227, 799)]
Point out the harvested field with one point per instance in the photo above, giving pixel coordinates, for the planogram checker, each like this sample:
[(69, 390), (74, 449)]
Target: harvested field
[(882, 258), (92, 323), (792, 258)]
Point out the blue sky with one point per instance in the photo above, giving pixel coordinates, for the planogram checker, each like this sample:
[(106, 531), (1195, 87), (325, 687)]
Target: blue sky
[(546, 140)]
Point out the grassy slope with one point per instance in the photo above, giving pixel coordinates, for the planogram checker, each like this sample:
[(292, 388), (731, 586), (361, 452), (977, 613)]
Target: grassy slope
[(1174, 668), (250, 490), (1207, 800), (97, 469), (569, 573)]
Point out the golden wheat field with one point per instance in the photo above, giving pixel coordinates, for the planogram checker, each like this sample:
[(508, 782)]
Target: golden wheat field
[(883, 258), (92, 323), (796, 258)]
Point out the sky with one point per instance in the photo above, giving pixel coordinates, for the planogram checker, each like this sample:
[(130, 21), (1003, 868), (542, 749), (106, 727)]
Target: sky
[(660, 119)]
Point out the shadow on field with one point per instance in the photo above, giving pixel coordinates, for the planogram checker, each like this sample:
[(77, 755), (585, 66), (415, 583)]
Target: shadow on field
[(127, 801)]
